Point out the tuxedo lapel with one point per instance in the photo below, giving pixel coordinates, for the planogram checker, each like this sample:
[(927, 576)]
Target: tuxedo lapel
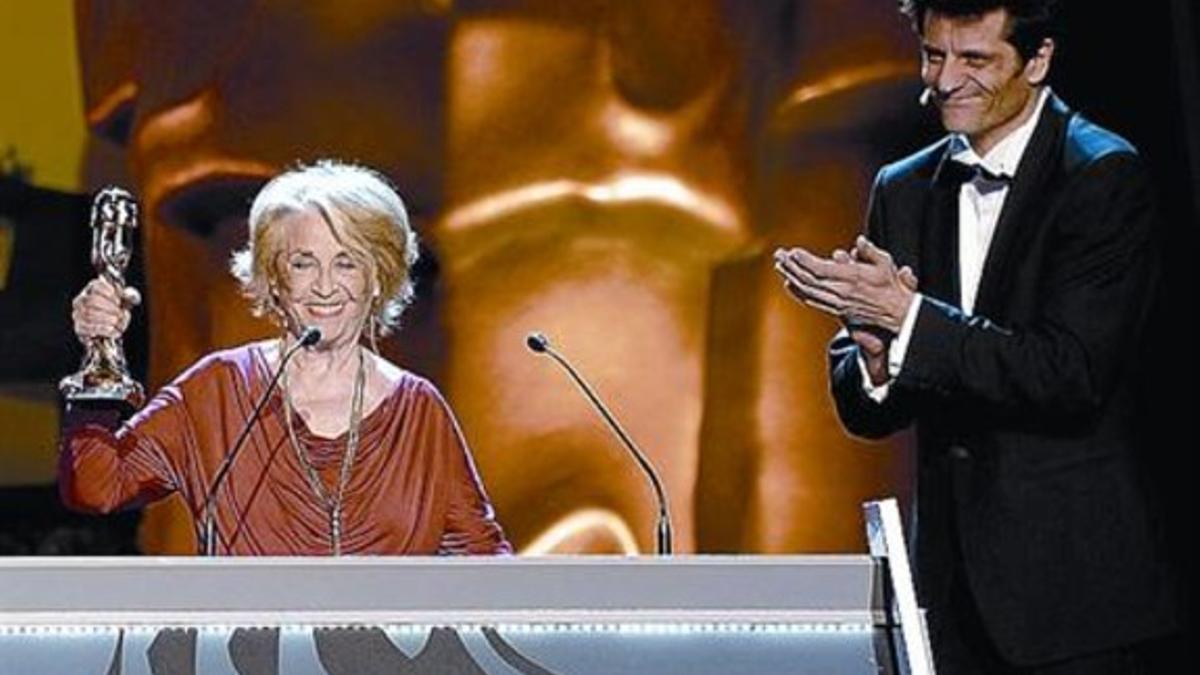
[(939, 273), (1030, 188)]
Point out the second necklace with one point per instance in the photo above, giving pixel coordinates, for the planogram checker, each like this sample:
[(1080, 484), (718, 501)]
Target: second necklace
[(332, 503)]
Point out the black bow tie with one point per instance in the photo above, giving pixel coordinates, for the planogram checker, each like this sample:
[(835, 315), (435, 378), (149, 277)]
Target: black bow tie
[(955, 172)]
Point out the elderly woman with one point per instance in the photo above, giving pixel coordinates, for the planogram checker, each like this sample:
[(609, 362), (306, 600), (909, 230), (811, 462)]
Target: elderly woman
[(351, 454)]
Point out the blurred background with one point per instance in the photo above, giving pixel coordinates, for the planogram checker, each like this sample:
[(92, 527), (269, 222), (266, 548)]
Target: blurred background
[(614, 173)]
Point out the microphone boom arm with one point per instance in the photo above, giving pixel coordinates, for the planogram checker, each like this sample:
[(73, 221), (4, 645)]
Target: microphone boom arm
[(664, 536), (308, 337)]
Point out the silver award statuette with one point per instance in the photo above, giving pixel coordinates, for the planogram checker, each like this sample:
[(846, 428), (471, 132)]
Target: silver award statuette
[(104, 375)]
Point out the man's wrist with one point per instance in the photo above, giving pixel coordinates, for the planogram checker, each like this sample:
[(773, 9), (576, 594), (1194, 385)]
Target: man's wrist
[(902, 310), (875, 391), (877, 367), (899, 345)]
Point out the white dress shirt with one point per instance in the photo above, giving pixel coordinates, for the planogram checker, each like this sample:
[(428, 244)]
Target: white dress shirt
[(979, 203)]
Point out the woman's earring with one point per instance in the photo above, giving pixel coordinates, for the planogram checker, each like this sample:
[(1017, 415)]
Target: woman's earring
[(373, 333)]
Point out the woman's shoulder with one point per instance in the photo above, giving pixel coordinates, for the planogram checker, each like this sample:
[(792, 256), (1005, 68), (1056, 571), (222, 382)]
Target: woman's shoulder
[(239, 361), (408, 398), (410, 391), (398, 382)]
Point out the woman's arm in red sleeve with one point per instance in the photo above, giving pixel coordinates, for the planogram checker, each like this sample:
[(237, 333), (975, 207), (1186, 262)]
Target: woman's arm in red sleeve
[(101, 470), (470, 527)]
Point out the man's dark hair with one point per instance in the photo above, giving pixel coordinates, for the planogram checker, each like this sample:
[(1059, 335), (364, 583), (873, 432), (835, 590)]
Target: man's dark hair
[(1031, 21)]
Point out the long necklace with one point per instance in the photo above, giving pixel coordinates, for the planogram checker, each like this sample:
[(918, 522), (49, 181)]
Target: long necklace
[(332, 503)]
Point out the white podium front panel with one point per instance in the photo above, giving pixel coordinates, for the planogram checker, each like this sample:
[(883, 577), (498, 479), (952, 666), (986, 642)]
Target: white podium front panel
[(693, 615)]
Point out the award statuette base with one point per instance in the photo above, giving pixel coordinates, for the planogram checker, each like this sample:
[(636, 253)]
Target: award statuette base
[(87, 388)]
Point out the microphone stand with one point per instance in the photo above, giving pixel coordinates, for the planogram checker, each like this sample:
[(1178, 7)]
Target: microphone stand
[(309, 337), (663, 532)]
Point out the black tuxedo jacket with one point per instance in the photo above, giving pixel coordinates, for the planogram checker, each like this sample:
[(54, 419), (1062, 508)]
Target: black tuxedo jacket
[(1026, 412)]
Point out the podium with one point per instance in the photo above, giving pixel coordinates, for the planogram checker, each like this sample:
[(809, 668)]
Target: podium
[(584, 615)]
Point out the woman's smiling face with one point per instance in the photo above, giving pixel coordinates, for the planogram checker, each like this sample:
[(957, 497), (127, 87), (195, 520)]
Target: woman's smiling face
[(325, 284)]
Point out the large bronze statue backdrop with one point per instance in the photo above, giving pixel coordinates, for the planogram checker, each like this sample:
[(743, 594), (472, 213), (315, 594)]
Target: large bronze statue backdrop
[(614, 173)]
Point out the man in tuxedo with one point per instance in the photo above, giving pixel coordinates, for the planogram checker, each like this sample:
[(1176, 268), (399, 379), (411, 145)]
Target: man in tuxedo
[(998, 301)]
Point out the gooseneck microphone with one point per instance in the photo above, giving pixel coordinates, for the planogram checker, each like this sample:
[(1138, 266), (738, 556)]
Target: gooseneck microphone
[(308, 337), (539, 344)]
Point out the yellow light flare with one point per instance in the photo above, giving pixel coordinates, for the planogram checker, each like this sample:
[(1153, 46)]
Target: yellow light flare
[(620, 188), (638, 134), (107, 106), (844, 80), (184, 121), (580, 523)]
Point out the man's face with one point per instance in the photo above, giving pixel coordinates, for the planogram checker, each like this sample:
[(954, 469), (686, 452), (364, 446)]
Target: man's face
[(983, 88)]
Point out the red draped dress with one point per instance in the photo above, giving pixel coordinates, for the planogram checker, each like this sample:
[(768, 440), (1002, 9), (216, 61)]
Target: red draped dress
[(413, 488)]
